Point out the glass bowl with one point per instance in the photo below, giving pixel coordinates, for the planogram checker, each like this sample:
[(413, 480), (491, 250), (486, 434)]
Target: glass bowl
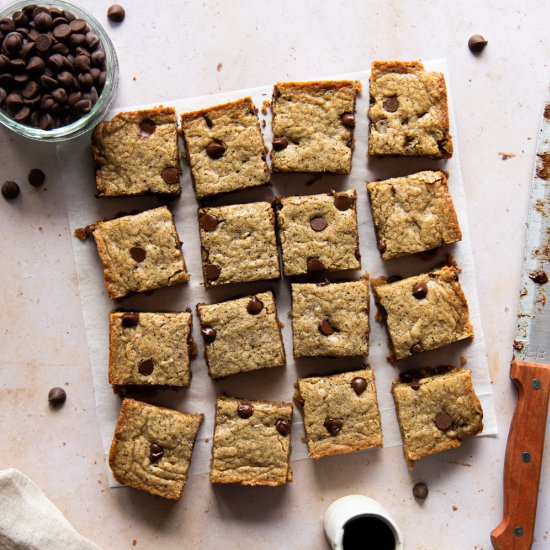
[(98, 111)]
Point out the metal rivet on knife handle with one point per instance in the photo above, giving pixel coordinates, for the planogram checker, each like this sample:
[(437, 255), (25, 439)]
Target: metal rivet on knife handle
[(518, 531), (526, 456), (535, 384)]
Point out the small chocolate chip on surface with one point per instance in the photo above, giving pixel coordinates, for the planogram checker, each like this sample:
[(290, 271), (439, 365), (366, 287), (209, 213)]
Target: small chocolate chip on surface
[(391, 104), (315, 265), (10, 190), (477, 43), (36, 177), (155, 452), (116, 13), (130, 320), (212, 272), (332, 425), (279, 143), (254, 306), (209, 334), (170, 175), (138, 253), (282, 426), (359, 385), (342, 201), (325, 328), (57, 396), (318, 223), (539, 276), (348, 120), (146, 367), (208, 222), (443, 421), (215, 150), (417, 348), (419, 290), (245, 410), (147, 126), (420, 491)]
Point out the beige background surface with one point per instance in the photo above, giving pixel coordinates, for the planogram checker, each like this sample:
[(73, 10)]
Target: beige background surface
[(174, 49)]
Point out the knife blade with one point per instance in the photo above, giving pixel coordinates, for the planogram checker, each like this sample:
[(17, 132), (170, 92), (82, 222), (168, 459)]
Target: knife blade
[(530, 369)]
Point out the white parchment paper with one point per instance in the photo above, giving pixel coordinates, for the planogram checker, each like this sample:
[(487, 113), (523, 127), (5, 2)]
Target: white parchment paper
[(271, 384)]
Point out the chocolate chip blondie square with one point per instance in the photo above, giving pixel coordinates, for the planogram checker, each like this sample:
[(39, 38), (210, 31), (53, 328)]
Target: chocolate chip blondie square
[(152, 447), (140, 252), (408, 111), (313, 126), (150, 349), (318, 233), (238, 243), (241, 335), (136, 153), (251, 442), (225, 148), (423, 312), (330, 319), (413, 214), (340, 412), (437, 409)]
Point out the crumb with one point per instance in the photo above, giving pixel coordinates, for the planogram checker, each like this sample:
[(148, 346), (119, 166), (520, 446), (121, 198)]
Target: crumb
[(506, 156), (134, 542), (463, 360), (134, 78), (206, 440), (281, 324), (219, 67), (543, 166), (518, 345), (455, 508), (41, 229), (539, 276), (263, 123), (84, 232)]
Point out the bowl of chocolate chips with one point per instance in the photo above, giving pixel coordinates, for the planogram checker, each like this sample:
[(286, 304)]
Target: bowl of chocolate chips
[(58, 70)]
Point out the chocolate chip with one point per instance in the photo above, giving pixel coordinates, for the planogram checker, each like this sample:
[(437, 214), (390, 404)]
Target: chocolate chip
[(12, 44), (443, 421), (420, 290), (130, 320), (212, 272), (65, 78), (391, 104), (43, 43), (85, 81), (245, 410), (10, 190), (215, 150), (342, 201), (78, 25), (23, 114), (92, 40), (254, 306), (282, 426), (155, 452), (35, 64), (420, 491), (415, 385), (170, 175), (325, 328), (208, 222), (209, 334), (30, 90), (116, 13), (14, 101), (318, 223), (42, 21), (55, 62), (348, 120), (59, 95), (138, 253), (477, 43), (539, 276), (417, 348), (147, 126), (359, 385), (315, 265), (146, 367), (3, 96), (62, 31), (57, 396), (45, 122), (98, 58), (7, 24), (36, 177), (279, 143), (332, 425), (83, 106)]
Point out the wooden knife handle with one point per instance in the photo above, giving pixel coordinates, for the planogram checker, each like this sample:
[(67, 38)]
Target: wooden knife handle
[(523, 460)]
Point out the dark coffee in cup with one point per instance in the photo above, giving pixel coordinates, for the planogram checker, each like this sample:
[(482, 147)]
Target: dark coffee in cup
[(368, 533)]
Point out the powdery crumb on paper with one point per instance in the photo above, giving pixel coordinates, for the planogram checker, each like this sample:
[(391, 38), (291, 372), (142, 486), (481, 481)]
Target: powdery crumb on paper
[(134, 542), (265, 106), (506, 156), (219, 67)]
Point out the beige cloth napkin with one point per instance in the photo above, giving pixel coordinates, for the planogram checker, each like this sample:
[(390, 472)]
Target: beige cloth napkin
[(30, 521)]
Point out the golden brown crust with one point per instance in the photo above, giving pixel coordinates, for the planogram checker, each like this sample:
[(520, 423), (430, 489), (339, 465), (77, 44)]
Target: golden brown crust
[(244, 102), (321, 84)]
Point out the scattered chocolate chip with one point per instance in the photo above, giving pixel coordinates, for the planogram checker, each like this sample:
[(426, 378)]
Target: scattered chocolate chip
[(212, 272), (325, 328), (254, 306), (282, 426), (420, 491), (147, 126), (391, 104), (57, 396), (116, 13), (170, 175), (417, 348), (208, 222), (318, 223), (215, 150), (420, 290), (245, 410), (155, 452), (359, 385), (415, 385), (36, 177), (10, 190), (209, 334), (443, 421), (348, 120), (138, 253), (332, 425), (315, 265), (146, 367), (342, 201), (539, 276), (279, 143), (130, 320), (477, 43)]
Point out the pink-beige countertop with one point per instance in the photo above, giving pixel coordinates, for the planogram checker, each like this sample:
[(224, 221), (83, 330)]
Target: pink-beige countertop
[(170, 49)]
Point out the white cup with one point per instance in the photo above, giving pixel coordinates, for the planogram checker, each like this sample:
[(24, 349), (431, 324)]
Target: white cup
[(344, 509)]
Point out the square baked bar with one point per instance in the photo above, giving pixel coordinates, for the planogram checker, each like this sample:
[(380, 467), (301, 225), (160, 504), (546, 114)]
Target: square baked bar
[(313, 126), (251, 442), (408, 111), (241, 335), (413, 214), (238, 243), (225, 148), (437, 409), (140, 252), (340, 412), (330, 320), (136, 153), (152, 447), (319, 233), (150, 349), (424, 312)]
